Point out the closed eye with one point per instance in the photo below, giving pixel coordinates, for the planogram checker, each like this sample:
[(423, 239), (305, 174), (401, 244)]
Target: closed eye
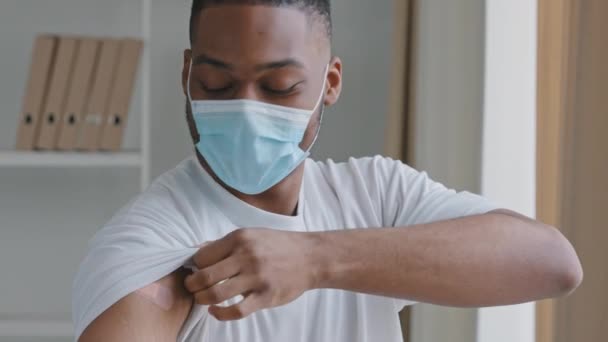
[(215, 90), (283, 92)]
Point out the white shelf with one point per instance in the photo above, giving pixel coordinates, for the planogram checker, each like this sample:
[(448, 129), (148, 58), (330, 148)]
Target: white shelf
[(70, 159)]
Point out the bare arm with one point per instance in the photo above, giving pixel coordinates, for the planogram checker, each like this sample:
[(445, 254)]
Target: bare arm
[(495, 259), (137, 317)]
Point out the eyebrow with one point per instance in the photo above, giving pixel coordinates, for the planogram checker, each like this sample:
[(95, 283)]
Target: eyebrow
[(204, 59), (288, 62)]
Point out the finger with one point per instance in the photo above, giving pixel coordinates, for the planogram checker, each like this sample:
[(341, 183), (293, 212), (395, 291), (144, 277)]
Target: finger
[(225, 290), (207, 277), (212, 252), (249, 305)]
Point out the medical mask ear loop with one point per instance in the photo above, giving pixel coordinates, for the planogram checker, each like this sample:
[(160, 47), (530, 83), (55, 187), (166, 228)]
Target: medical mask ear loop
[(188, 86), (190, 95), (319, 101)]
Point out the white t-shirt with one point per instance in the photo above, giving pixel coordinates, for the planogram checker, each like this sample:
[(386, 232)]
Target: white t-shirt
[(158, 232)]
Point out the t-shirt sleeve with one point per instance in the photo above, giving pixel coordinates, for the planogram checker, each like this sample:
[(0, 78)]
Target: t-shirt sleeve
[(401, 196), (406, 197), (144, 242)]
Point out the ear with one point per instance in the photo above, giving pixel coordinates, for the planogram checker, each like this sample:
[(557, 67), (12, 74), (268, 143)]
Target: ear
[(334, 82), (186, 70)]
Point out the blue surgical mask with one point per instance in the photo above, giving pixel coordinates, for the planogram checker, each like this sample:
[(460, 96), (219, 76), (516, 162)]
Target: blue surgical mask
[(250, 145)]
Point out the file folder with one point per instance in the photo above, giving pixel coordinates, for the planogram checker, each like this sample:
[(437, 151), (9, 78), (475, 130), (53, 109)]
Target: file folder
[(121, 94), (58, 87), (91, 127), (78, 93), (40, 73)]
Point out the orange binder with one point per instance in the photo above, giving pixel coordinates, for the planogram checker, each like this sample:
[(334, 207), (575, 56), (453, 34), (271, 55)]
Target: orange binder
[(120, 98), (34, 98), (78, 93), (58, 86), (91, 126)]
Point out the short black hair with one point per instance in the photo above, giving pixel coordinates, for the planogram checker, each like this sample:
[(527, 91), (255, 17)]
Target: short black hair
[(321, 8)]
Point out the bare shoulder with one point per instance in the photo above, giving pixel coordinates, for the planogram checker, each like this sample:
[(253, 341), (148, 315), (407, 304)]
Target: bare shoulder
[(156, 312)]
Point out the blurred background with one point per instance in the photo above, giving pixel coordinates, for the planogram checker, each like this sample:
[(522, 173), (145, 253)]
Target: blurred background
[(506, 98)]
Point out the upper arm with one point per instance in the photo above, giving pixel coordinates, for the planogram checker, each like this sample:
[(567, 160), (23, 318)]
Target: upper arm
[(143, 316)]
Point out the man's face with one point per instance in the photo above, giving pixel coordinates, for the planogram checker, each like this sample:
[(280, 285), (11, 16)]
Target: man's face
[(276, 55)]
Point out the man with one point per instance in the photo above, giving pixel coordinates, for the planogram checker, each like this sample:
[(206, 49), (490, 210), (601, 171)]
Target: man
[(250, 241)]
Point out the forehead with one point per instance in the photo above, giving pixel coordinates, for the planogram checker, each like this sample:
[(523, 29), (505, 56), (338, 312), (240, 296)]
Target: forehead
[(242, 34)]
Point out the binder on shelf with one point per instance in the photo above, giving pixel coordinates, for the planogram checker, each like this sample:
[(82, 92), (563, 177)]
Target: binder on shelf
[(78, 93), (120, 98), (89, 134), (40, 73), (56, 94)]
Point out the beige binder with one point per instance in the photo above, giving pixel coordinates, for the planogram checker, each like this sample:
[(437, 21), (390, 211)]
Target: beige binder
[(78, 93), (57, 92), (34, 98), (91, 126), (120, 98)]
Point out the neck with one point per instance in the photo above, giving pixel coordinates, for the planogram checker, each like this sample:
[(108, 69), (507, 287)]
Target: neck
[(281, 199)]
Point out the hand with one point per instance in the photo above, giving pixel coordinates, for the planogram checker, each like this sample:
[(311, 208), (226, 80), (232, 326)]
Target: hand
[(269, 268)]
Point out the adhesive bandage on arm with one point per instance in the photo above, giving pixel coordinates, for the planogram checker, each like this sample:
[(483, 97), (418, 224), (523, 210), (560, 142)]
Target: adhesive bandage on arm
[(158, 294)]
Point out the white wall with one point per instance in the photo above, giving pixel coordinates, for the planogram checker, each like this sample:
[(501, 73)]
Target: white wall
[(355, 126), (508, 174), (448, 90), (170, 140), (448, 109)]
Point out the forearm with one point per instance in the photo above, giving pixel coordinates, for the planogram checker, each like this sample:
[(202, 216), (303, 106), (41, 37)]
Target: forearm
[(485, 260)]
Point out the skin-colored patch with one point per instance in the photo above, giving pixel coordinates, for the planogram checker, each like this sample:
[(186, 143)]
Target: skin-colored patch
[(158, 294)]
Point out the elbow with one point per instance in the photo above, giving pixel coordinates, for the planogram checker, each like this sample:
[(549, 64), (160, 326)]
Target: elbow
[(570, 278), (568, 272)]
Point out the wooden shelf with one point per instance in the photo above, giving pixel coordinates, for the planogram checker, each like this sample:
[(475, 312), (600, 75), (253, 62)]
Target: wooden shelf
[(70, 159)]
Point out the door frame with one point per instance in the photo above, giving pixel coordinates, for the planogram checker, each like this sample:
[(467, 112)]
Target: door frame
[(557, 57)]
